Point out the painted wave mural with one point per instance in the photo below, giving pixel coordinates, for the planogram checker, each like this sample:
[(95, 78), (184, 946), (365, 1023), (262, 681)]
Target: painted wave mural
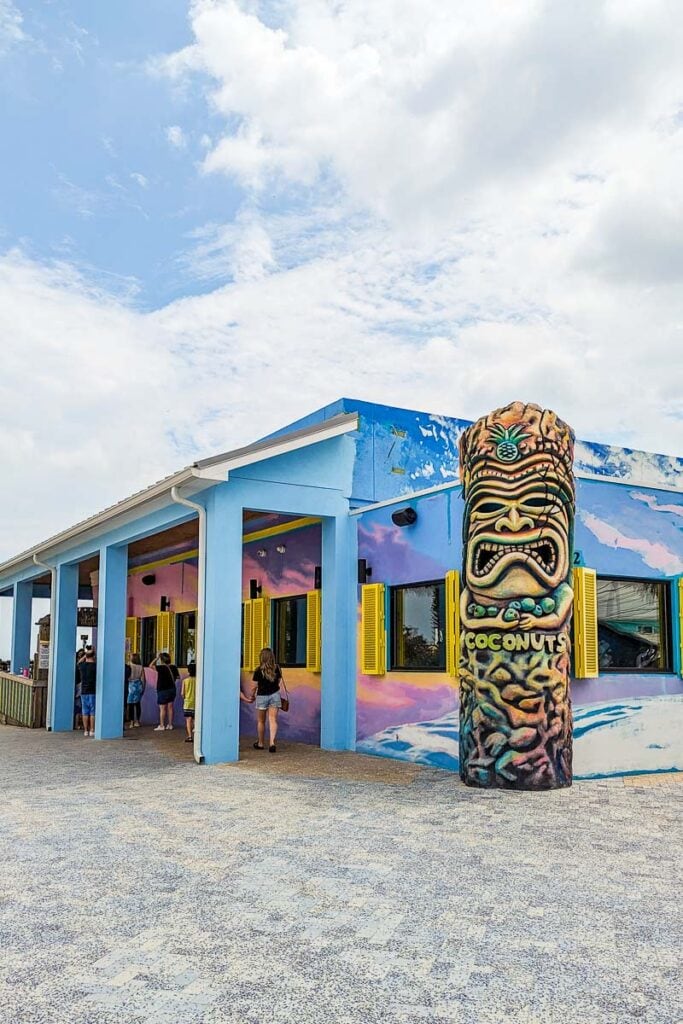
[(640, 736)]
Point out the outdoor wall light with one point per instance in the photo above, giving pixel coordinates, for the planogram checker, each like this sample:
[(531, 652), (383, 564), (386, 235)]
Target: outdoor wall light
[(149, 580), (254, 589), (261, 552), (404, 516), (281, 548), (364, 571)]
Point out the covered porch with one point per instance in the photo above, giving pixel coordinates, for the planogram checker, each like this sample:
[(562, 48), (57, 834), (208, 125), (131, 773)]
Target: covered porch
[(171, 574)]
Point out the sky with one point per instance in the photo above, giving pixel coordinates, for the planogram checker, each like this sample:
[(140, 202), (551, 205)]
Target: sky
[(216, 216)]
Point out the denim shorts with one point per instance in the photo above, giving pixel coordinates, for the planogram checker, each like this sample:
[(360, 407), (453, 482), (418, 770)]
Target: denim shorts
[(268, 700), (87, 703)]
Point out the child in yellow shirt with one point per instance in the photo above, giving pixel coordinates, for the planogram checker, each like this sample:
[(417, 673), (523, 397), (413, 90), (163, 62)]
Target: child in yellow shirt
[(189, 690)]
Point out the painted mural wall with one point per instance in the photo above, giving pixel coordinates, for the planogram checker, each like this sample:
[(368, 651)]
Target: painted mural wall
[(280, 574), (285, 573), (623, 722), (177, 582), (400, 451)]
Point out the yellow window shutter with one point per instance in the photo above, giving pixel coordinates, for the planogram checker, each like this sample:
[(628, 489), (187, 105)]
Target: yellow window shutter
[(373, 640), (585, 624), (131, 634), (247, 640), (260, 628), (313, 631), (452, 622), (680, 625), (166, 633), (138, 636)]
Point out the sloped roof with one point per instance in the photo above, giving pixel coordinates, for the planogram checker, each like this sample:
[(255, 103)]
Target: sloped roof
[(200, 474)]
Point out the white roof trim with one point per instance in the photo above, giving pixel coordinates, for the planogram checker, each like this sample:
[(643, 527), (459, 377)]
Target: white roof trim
[(409, 496), (403, 498), (199, 476), (219, 471)]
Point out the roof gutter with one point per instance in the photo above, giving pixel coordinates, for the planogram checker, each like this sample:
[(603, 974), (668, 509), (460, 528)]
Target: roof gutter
[(201, 602), (53, 638)]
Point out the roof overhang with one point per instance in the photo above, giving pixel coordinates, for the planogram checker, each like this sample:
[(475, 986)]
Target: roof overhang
[(193, 479)]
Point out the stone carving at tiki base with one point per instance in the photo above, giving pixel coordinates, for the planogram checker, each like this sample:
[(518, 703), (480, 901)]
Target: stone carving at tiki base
[(516, 600)]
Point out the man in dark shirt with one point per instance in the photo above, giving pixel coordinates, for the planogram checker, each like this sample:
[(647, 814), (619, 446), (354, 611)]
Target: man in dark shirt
[(87, 672)]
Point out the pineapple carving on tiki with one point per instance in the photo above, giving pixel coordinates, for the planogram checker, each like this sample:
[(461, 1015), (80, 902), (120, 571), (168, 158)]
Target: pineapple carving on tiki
[(516, 601)]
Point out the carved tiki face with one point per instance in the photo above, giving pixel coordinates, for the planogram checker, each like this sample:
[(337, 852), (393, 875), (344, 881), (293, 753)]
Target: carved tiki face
[(516, 470)]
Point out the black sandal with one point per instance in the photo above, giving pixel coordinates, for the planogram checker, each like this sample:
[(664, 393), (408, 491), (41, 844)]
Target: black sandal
[(272, 748), (257, 746)]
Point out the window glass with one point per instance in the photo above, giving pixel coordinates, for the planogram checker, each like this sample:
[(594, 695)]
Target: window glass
[(186, 638), (149, 639), (289, 631), (418, 615), (633, 625)]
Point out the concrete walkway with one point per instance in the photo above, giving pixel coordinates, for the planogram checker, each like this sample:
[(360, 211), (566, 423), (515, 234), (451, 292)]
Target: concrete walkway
[(138, 887)]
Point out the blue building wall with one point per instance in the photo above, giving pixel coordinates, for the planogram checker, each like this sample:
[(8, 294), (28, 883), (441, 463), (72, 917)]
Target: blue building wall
[(624, 722), (401, 451), (629, 523)]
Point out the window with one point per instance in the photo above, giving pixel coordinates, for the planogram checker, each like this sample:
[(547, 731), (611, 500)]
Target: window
[(186, 638), (634, 625), (289, 631), (149, 639), (418, 615)]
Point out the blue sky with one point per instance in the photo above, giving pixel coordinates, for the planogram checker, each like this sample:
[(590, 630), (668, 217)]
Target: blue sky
[(92, 176), (218, 215)]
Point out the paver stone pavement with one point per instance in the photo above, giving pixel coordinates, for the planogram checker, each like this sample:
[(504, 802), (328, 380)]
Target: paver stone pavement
[(317, 887)]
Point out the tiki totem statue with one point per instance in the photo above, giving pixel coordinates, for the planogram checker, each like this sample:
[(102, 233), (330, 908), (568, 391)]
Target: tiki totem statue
[(516, 601)]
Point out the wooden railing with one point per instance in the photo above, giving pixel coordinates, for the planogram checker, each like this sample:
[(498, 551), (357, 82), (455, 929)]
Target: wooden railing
[(22, 701)]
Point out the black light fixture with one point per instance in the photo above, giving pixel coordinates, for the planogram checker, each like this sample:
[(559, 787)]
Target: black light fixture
[(149, 580), (317, 578), (164, 604), (254, 589), (404, 516), (364, 572)]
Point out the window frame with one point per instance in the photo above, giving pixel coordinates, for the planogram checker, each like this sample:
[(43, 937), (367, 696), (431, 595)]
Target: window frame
[(275, 604), (666, 627), (179, 619), (393, 666)]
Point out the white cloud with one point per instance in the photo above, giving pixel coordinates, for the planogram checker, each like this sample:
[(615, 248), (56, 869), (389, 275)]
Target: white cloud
[(11, 21), (175, 136), (446, 207), (422, 110), (140, 179)]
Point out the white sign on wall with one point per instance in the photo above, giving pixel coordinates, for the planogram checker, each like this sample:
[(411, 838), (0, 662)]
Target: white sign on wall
[(43, 655)]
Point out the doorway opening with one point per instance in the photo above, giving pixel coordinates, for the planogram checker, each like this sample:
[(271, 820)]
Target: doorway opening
[(281, 609)]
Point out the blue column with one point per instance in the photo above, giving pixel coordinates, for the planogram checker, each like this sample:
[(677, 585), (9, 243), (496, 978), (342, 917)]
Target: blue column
[(222, 627), (63, 638), (111, 642), (21, 625), (339, 615)]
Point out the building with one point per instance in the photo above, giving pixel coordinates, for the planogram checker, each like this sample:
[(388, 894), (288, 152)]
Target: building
[(356, 506)]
